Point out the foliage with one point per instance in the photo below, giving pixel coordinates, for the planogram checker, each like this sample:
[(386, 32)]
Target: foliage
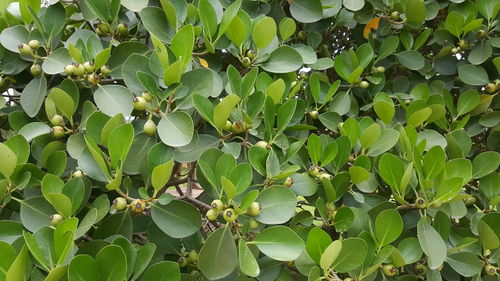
[(249, 140)]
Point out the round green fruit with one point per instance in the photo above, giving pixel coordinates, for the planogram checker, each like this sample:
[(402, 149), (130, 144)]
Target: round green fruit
[(314, 171), (395, 15), (89, 67), (105, 70), (193, 255), (253, 223), (36, 69), (138, 206), (34, 44), (228, 126), (262, 144), (491, 88), (251, 54), (229, 215), (288, 182), (490, 270), (380, 69), (217, 205), (147, 96), (420, 203), (301, 35), (57, 120), (24, 49), (182, 261), (389, 270), (58, 132), (149, 128), (325, 176), (314, 114), (420, 269), (122, 29), (238, 127), (254, 209), (93, 79), (364, 84), (246, 62), (103, 28), (455, 50), (212, 214), (69, 69), (56, 219), (78, 174), (120, 203), (140, 103)]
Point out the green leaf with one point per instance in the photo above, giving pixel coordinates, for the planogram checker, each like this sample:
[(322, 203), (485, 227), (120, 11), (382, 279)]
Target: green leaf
[(161, 174), (411, 59), (388, 138), (20, 268), (183, 43), (485, 163), (178, 219), (351, 256), (473, 75), (370, 135), (316, 244), (384, 107), (112, 263), (83, 268), (391, 169), (9, 161), (162, 271), (248, 263), (114, 99), (176, 129), (119, 143), (388, 226), (56, 61), (264, 31), (454, 23), (277, 205), (330, 254), (467, 101), (208, 17), (306, 11), (434, 161), (465, 263), (63, 102), (354, 5), (218, 257), (279, 243), (276, 90), (35, 213), (284, 59), (287, 28), (358, 174), (223, 110), (432, 244), (33, 95), (448, 189), (415, 11)]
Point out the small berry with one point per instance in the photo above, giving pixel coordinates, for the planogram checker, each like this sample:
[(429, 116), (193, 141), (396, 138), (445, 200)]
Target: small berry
[(482, 33), (314, 114), (36, 69), (78, 174), (395, 15), (325, 176), (491, 88), (420, 203), (57, 120), (217, 205), (93, 79), (238, 127), (57, 132), (455, 50), (89, 67), (24, 49), (149, 128), (246, 62), (79, 69), (105, 70), (193, 255), (262, 144), (314, 171), (69, 69), (182, 261), (147, 96), (389, 270), (120, 203), (56, 219), (420, 269), (470, 201), (293, 84), (380, 69), (228, 126), (103, 28), (122, 29), (254, 209), (288, 182), (490, 270), (229, 215), (34, 44), (301, 35), (253, 223), (140, 103), (212, 214), (304, 75), (251, 54), (463, 44), (138, 205), (364, 84)]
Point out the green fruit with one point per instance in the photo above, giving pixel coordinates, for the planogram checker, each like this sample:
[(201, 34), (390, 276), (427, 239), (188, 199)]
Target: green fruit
[(68, 69), (380, 69), (395, 15), (237, 127), (246, 62), (57, 120), (57, 132), (193, 255), (254, 209), (78, 174), (138, 206), (389, 270), (470, 201), (253, 223), (103, 28), (314, 114), (251, 54), (147, 96), (122, 29), (229, 215), (262, 144), (217, 205), (491, 88), (304, 75), (314, 171), (149, 128), (325, 176), (36, 69), (455, 50), (79, 70), (120, 203), (182, 261), (288, 182), (482, 33), (212, 214), (105, 70), (89, 67), (490, 270), (228, 126), (140, 103), (463, 44), (364, 84), (301, 35), (420, 269), (420, 203), (24, 49), (56, 219), (93, 79), (34, 44)]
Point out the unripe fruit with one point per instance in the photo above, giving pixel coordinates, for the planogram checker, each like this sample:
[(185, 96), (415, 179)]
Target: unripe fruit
[(56, 219), (229, 215), (490, 270), (36, 69), (463, 45), (491, 88), (24, 49), (193, 255), (254, 209), (212, 214), (395, 15), (420, 269), (34, 44), (78, 70), (149, 128), (253, 223), (147, 96), (389, 270), (105, 70), (470, 201), (304, 76), (481, 33), (325, 176), (238, 127), (93, 79), (68, 69), (262, 144), (455, 50), (57, 120), (293, 84), (288, 182), (103, 28), (78, 174), (251, 54), (420, 203), (57, 132), (380, 69), (217, 205), (246, 62), (364, 84), (314, 114), (301, 35), (122, 29), (120, 203), (314, 171), (228, 126), (182, 261), (140, 103), (89, 67), (138, 205)]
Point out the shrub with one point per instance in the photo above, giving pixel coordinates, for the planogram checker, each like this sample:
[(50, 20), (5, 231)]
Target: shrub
[(249, 140)]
